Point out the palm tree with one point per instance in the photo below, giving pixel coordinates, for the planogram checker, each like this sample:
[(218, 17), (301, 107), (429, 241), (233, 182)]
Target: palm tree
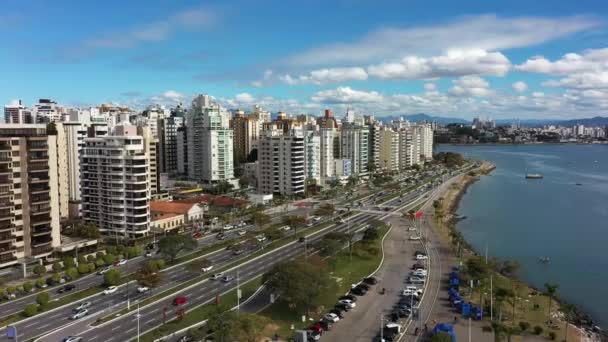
[(551, 290), (569, 311)]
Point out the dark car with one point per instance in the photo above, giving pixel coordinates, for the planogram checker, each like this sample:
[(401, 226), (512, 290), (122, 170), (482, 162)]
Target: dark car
[(337, 312), (66, 288), (349, 297), (394, 316), (358, 291), (370, 281), (343, 307), (325, 324), (418, 267), (364, 286)]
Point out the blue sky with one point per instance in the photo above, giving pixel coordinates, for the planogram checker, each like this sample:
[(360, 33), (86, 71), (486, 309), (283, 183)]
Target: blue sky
[(502, 59)]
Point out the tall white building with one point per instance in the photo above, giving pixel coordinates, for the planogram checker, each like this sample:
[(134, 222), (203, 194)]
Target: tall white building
[(329, 143), (354, 142), (312, 152), (47, 110), (389, 149), (210, 142), (426, 141), (17, 114), (281, 164), (115, 183)]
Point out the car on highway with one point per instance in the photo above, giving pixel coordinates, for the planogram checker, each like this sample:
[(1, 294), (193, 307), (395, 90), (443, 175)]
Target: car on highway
[(185, 338), (103, 270), (227, 278), (217, 276), (180, 300), (66, 288), (414, 237), (237, 251), (143, 289), (347, 302), (197, 235), (228, 227), (120, 262), (285, 228), (261, 238), (110, 290), (241, 232), (220, 236), (72, 339), (206, 268), (331, 317), (82, 306), (79, 314), (148, 254)]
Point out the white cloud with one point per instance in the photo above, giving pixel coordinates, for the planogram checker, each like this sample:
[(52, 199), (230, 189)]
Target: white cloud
[(538, 94), (483, 32), (346, 95), (14, 102), (173, 95), (587, 80), (454, 63), (519, 86), (329, 75), (470, 86), (244, 98), (592, 60), (266, 77), (430, 87)]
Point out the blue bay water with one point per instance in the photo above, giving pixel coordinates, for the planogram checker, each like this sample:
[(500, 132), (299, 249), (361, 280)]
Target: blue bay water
[(523, 220)]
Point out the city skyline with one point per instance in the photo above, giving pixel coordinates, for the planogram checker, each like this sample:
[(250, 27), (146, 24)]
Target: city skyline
[(478, 59)]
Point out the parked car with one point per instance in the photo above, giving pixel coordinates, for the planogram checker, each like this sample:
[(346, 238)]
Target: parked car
[(80, 314), (312, 335), (418, 266), (358, 291), (317, 328), (197, 235), (347, 302), (363, 285), (370, 281), (421, 257), (415, 280), (414, 238), (217, 276), (148, 254), (180, 300), (331, 317), (227, 278), (326, 325), (349, 297), (82, 306), (343, 307), (337, 312), (419, 272), (206, 269), (411, 229), (110, 290)]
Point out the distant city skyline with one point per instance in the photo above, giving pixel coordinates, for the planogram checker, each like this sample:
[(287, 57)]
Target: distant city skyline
[(475, 59)]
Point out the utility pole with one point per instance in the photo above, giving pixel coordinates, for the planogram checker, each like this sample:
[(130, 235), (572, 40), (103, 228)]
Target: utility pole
[(138, 322), (238, 294)]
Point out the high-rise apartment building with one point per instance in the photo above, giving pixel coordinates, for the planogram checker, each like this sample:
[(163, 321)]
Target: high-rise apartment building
[(167, 135), (210, 142), (17, 114), (389, 149), (426, 141), (47, 110), (355, 146), (329, 138), (281, 164), (182, 150), (373, 153), (312, 153), (29, 197), (245, 130), (115, 183)]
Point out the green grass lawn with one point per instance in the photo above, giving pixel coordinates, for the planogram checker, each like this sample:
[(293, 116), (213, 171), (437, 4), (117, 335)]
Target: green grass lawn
[(344, 271)]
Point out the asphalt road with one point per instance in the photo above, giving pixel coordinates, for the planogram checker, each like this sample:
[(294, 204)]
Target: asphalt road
[(151, 316)]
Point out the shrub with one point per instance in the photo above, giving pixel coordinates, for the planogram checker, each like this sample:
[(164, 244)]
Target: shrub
[(20, 289), (11, 290), (30, 310), (109, 258), (82, 259), (99, 262), (57, 266), (68, 262), (72, 273), (83, 268), (40, 282), (112, 277), (524, 326), (100, 255), (43, 298), (39, 269), (92, 267), (135, 251), (552, 335), (91, 258), (111, 250), (538, 329), (28, 286), (56, 277)]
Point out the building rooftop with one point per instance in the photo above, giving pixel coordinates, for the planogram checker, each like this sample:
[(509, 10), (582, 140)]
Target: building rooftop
[(178, 208)]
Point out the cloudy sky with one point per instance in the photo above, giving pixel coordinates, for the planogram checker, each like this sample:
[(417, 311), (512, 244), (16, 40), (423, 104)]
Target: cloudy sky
[(502, 59)]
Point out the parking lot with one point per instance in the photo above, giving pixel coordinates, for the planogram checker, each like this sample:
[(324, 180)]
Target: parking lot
[(374, 309)]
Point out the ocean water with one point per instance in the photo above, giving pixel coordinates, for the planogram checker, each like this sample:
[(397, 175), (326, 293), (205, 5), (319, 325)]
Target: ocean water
[(523, 220)]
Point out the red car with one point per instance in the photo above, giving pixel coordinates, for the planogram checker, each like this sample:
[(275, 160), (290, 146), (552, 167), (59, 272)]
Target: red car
[(197, 235), (317, 328), (180, 300)]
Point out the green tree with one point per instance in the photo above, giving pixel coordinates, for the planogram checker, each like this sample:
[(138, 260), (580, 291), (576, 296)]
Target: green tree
[(30, 310), (39, 270), (149, 274), (43, 298), (172, 245), (40, 282), (109, 258), (294, 221), (260, 219), (223, 323), (477, 268), (524, 326), (82, 259), (56, 277), (11, 290), (91, 258), (68, 262), (83, 268), (91, 266), (28, 286), (57, 266), (134, 251), (325, 209), (112, 277), (370, 234), (551, 290), (569, 311), (99, 262), (72, 273)]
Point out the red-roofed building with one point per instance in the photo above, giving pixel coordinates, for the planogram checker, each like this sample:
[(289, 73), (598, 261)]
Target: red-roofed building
[(168, 216), (216, 201)]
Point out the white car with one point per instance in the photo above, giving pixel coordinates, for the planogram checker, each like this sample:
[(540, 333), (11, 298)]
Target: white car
[(143, 289), (122, 262), (414, 238), (421, 257), (409, 293), (80, 314), (216, 276), (348, 302), (241, 224), (261, 238), (331, 317), (228, 227), (206, 269), (241, 232), (412, 229), (72, 339), (110, 290), (285, 228), (82, 306), (416, 280), (420, 273)]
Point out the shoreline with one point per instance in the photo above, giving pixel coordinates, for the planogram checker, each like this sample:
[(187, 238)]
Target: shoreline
[(581, 320)]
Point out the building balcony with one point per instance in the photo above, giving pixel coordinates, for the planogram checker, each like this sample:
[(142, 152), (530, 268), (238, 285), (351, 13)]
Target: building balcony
[(7, 256), (42, 249), (36, 220), (39, 199), (37, 156), (42, 179), (6, 237), (42, 232), (5, 146)]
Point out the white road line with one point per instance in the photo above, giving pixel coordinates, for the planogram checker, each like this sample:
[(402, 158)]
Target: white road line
[(94, 337), (116, 327)]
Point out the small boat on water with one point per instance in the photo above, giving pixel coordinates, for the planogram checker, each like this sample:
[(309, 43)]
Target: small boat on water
[(579, 184), (544, 260), (534, 176)]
